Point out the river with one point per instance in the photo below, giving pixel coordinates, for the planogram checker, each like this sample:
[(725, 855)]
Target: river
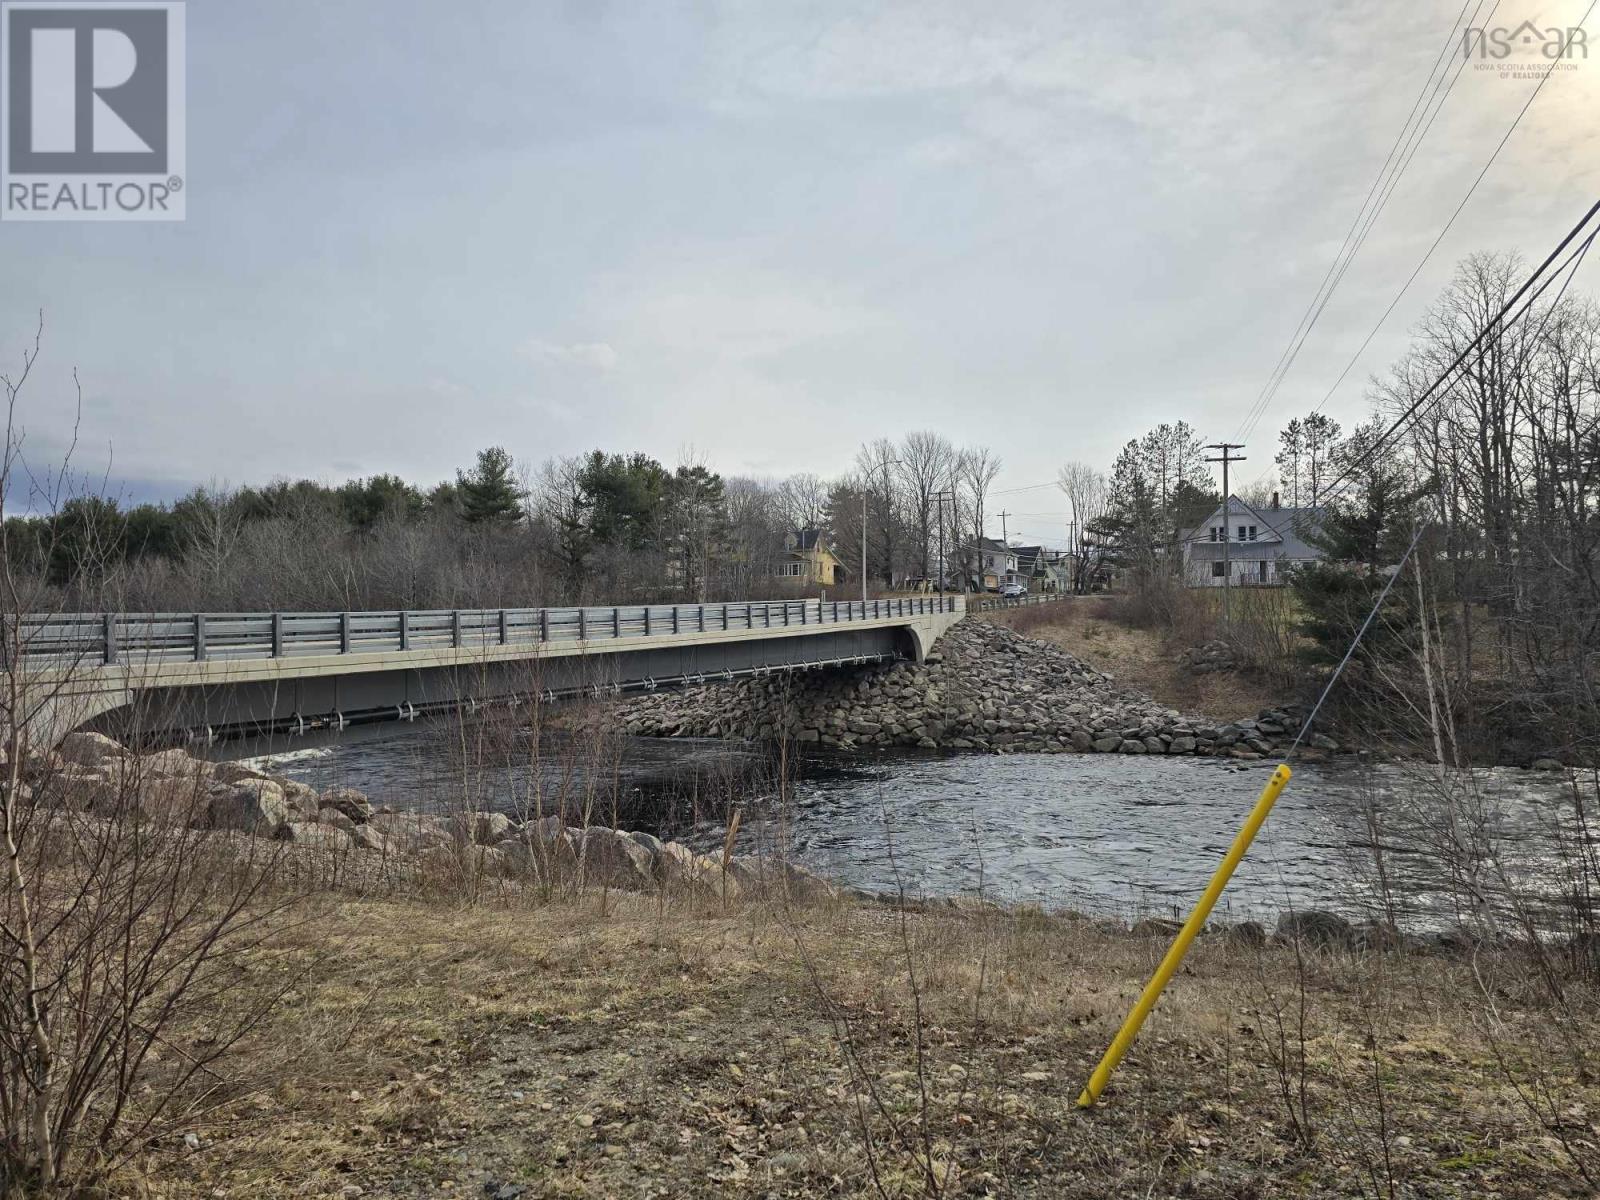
[(1107, 833)]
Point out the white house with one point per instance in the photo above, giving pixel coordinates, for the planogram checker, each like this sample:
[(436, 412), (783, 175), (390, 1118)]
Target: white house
[(995, 566), (1261, 544)]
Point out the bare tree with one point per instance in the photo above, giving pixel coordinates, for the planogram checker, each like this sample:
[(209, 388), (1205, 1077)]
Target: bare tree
[(927, 464), (1089, 494), (976, 470)]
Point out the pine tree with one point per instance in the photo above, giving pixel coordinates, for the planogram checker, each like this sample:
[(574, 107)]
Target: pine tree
[(489, 493)]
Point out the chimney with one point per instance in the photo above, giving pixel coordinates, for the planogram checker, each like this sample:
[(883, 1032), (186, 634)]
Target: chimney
[(1274, 501)]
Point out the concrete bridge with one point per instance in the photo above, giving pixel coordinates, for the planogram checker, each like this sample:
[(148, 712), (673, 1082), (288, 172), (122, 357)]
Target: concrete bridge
[(216, 673)]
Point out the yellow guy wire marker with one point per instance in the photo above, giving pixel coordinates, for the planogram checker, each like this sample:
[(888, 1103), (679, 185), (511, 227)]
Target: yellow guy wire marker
[(1180, 944)]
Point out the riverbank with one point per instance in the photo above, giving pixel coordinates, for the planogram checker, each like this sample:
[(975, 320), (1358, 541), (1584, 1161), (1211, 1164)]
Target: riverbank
[(1153, 662), (478, 1005), (983, 687), (604, 1046)]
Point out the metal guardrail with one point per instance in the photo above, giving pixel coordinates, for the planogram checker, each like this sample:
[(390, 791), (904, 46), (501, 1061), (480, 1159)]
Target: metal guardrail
[(107, 638), (988, 603)]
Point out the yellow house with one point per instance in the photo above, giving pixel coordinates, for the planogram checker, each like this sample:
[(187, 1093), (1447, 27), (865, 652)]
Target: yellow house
[(811, 560)]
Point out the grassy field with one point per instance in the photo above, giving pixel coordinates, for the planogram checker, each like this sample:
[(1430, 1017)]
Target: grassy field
[(625, 1046)]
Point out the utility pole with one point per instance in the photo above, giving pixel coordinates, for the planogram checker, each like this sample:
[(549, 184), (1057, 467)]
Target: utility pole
[(863, 546), (1004, 536), (939, 499), (1072, 552), (1227, 459)]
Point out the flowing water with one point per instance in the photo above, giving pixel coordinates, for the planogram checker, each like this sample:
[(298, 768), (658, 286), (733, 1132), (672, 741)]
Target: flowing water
[(1087, 831)]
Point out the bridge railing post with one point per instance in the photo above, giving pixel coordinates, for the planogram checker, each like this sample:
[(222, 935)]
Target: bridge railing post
[(277, 635), (405, 630), (502, 627), (109, 636), (344, 633), (544, 624), (455, 628), (616, 622), (199, 637)]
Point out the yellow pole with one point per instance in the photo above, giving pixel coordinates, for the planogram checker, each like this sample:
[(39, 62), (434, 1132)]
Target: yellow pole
[(1180, 944)]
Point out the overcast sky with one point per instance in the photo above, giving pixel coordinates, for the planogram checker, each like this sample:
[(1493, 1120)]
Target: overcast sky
[(763, 233)]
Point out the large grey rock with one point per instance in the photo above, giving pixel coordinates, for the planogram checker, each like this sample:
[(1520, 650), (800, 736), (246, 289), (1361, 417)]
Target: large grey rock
[(605, 857), (175, 763), (335, 819), (350, 802), (680, 869), (255, 806), (89, 749), (317, 836), (79, 788), (365, 837), (482, 828), (232, 772), (410, 832), (1314, 927), (765, 876)]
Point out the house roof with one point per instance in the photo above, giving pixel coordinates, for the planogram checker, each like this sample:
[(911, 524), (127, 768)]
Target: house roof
[(809, 539), (994, 547), (1288, 526)]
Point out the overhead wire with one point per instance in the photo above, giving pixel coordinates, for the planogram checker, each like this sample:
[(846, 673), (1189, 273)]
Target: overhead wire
[(1445, 229), (1401, 152)]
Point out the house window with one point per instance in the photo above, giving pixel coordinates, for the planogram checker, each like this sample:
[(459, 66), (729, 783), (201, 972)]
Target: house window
[(1216, 534), (793, 568), (1252, 533), (1241, 533), (1217, 569)]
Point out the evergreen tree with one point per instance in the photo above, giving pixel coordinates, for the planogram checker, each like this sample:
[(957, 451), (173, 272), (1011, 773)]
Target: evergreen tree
[(624, 496), (489, 494), (1363, 533), (365, 502)]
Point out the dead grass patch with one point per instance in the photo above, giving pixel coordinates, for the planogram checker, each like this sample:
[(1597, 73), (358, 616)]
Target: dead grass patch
[(676, 1050), (1144, 660)]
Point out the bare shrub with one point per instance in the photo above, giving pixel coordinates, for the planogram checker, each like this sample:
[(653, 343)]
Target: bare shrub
[(122, 913)]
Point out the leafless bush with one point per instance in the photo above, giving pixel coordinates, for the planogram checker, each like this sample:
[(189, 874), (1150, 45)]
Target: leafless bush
[(122, 915)]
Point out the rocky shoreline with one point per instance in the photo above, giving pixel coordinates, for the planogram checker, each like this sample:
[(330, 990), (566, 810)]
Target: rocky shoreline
[(983, 688), (93, 776)]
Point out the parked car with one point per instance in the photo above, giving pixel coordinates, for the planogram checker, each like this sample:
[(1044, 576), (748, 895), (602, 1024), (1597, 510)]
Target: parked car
[(1014, 589)]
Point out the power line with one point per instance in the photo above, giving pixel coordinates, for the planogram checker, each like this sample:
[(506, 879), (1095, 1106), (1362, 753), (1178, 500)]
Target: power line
[(1498, 321), (1417, 270), (1404, 148)]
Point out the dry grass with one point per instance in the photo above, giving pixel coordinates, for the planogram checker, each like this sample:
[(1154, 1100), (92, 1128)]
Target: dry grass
[(1142, 659), (684, 1050)]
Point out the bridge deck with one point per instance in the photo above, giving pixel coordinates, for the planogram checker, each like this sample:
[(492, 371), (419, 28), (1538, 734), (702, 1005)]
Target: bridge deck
[(262, 670), (80, 639)]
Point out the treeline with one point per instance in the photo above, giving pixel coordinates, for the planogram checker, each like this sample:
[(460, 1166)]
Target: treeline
[(595, 528), (1489, 468)]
